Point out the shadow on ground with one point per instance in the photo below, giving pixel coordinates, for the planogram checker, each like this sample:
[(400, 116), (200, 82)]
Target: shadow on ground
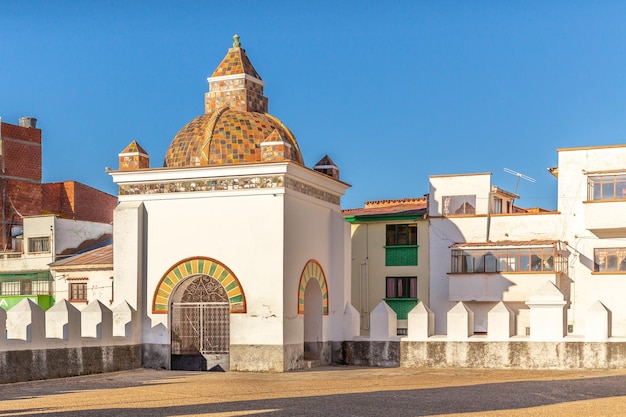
[(401, 403)]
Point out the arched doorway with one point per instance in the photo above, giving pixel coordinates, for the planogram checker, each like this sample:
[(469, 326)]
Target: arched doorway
[(205, 292), (313, 304), (312, 321), (200, 325)]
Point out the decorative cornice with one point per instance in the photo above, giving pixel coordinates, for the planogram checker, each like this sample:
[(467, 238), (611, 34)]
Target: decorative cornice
[(226, 184), (311, 191), (203, 185)]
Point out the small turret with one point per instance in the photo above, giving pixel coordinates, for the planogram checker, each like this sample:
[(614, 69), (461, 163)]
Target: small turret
[(134, 157)]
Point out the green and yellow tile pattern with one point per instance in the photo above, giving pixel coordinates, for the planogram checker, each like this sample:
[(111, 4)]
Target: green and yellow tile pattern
[(313, 270), (196, 266)]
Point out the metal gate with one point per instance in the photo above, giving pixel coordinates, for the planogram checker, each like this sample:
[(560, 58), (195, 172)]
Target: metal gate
[(200, 336)]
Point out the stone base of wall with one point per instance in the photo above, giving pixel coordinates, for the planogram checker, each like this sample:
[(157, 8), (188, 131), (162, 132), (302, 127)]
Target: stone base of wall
[(366, 353), (155, 356), (516, 355), (31, 365), (245, 358), (262, 358)]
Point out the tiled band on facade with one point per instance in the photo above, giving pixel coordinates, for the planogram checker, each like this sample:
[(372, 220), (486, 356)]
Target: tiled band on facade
[(204, 184), (227, 184)]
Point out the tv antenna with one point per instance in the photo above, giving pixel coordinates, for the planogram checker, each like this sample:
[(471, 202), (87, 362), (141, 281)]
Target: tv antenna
[(519, 177)]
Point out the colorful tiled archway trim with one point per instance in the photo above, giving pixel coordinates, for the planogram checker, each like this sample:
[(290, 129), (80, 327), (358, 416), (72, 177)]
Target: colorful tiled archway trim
[(313, 270), (195, 266)]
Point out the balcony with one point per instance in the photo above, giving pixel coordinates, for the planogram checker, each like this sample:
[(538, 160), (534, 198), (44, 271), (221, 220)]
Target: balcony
[(498, 287), (506, 271), (401, 255), (605, 218), (402, 306), (36, 286)]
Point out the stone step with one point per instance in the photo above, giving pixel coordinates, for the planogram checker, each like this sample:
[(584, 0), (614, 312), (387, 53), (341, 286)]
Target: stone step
[(312, 363)]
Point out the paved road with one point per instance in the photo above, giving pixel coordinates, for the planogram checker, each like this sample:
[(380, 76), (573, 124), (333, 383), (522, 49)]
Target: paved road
[(329, 391)]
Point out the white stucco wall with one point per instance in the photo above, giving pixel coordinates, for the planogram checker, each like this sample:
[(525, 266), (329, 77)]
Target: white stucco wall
[(63, 234), (264, 236), (582, 227), (445, 231), (314, 230), (244, 233), (579, 226), (100, 286), (71, 233), (452, 185)]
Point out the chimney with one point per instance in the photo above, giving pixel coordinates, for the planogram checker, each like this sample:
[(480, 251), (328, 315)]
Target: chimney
[(28, 122)]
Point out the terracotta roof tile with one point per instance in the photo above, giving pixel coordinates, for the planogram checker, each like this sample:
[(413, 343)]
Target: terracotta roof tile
[(100, 256), (405, 206)]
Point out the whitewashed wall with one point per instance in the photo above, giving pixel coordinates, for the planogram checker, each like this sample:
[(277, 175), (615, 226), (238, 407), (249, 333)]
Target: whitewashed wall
[(577, 228)]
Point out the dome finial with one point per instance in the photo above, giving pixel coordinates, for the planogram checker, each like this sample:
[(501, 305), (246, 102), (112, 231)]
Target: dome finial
[(236, 43)]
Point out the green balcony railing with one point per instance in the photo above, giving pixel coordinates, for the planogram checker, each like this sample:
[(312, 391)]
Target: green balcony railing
[(402, 255), (401, 306)]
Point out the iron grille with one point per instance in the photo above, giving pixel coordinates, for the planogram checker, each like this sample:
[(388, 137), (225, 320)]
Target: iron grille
[(200, 328)]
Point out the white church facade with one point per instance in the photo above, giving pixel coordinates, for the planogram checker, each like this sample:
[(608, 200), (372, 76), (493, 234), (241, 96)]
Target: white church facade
[(233, 253)]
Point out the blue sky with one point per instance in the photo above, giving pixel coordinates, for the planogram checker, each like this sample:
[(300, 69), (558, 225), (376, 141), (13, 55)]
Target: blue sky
[(392, 91)]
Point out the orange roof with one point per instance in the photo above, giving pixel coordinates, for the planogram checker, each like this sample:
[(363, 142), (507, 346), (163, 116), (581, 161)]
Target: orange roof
[(101, 257), (406, 206)]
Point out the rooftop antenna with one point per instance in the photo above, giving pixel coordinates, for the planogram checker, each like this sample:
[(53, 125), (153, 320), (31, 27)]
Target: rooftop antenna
[(519, 177)]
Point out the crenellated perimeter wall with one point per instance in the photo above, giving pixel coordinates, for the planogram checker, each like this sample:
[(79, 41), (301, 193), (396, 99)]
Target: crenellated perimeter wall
[(548, 346), (64, 341)]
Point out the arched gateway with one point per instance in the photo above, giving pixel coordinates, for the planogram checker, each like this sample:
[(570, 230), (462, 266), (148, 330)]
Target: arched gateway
[(201, 293)]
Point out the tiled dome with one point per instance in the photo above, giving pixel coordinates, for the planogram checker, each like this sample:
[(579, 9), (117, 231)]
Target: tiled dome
[(227, 136), (236, 126)]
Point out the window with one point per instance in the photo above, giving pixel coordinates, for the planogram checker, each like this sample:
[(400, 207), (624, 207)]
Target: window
[(401, 287), (606, 187), (39, 244), (497, 205), (26, 287), (401, 245), (496, 260), (78, 291), (459, 205), (609, 260), (401, 234)]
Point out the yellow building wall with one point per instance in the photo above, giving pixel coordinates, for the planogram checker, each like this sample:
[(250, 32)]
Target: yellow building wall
[(369, 271)]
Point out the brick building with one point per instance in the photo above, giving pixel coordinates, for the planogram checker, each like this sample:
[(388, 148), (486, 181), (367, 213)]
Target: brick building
[(41, 223), (20, 170), (23, 194)]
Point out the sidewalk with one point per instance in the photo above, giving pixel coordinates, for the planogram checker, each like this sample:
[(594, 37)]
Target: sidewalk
[(328, 391)]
